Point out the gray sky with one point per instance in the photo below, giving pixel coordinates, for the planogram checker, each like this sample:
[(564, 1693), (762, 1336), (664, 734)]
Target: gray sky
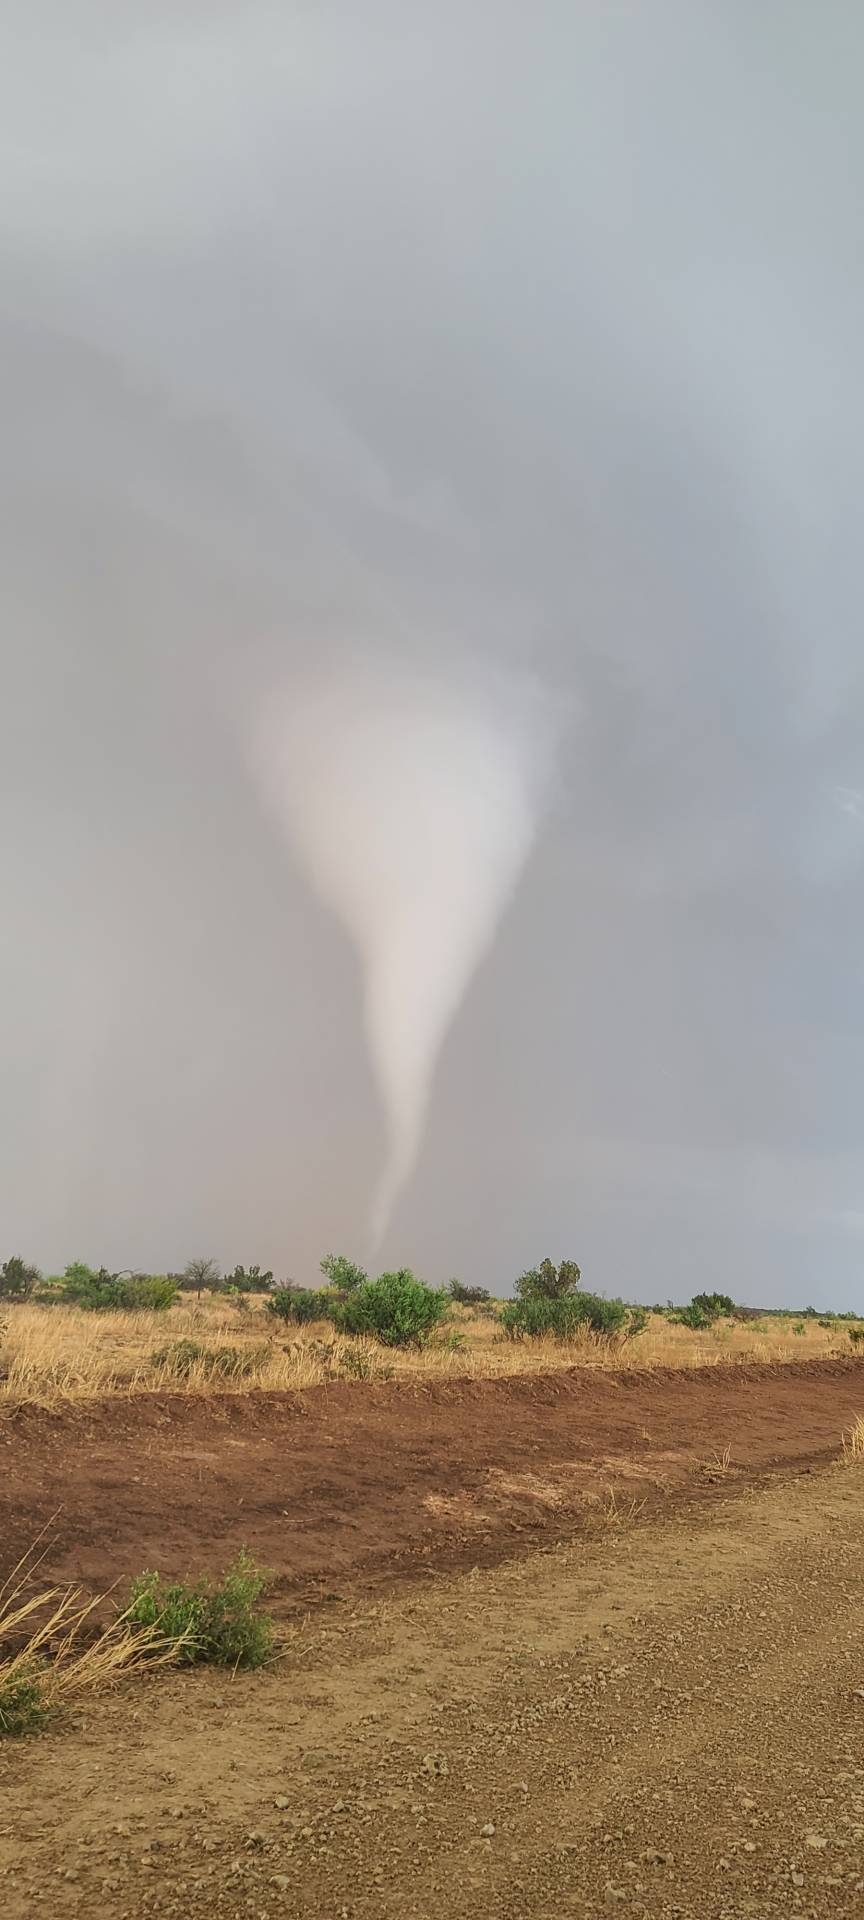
[(478, 339)]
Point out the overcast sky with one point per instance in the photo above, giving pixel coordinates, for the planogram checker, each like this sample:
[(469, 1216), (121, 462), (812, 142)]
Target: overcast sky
[(482, 339)]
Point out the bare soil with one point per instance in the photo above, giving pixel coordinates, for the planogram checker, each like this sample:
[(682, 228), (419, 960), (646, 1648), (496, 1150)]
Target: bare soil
[(351, 1486), (664, 1719)]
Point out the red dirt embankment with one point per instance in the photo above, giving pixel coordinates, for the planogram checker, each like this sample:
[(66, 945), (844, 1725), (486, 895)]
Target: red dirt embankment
[(346, 1485)]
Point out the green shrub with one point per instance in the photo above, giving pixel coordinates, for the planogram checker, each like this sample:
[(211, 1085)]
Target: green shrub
[(184, 1357), (104, 1292), (396, 1309), (302, 1304), (798, 1326), (856, 1335), (703, 1310), (246, 1280), (467, 1296), (146, 1293), (342, 1273), (18, 1279), (548, 1282), (218, 1625), (23, 1708), (693, 1317), (567, 1316)]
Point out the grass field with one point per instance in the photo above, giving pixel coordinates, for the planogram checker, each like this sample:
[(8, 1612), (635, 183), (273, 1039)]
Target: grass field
[(60, 1354)]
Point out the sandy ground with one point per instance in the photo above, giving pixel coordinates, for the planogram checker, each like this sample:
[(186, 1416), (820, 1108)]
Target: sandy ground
[(663, 1719)]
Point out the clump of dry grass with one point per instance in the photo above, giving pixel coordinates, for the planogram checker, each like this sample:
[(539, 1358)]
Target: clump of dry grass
[(53, 1660), (719, 1464), (610, 1516), (853, 1440)]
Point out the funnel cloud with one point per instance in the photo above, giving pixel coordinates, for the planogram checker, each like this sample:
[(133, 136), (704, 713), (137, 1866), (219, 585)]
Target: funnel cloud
[(412, 803)]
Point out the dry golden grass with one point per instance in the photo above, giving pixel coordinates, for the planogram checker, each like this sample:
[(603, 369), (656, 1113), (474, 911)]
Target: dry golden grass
[(853, 1440), (719, 1465), (53, 1659), (606, 1515), (50, 1355)]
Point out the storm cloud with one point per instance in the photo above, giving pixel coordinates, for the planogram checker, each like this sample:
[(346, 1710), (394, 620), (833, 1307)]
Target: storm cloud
[(500, 348)]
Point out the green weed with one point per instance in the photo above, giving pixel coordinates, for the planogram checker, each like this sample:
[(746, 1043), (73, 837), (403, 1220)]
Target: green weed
[(217, 1625)]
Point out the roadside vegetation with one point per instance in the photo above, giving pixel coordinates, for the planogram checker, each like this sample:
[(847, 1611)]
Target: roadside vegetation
[(89, 1331), (52, 1655), (197, 1622)]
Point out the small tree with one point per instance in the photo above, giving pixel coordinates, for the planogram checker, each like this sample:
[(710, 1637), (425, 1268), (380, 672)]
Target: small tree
[(17, 1279), (200, 1273), (342, 1272), (467, 1296), (83, 1285), (248, 1280), (548, 1282)]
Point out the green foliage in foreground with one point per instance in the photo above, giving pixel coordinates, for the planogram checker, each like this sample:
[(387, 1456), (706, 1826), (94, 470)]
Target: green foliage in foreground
[(219, 1625), (22, 1703), (569, 1315), (396, 1309)]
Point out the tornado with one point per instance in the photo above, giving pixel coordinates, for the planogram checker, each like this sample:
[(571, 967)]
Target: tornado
[(412, 799)]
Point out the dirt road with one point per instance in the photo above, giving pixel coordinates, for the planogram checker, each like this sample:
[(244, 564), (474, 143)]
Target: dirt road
[(662, 1719)]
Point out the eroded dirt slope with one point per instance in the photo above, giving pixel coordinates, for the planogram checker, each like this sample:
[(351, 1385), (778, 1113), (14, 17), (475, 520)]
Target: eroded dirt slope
[(349, 1487)]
